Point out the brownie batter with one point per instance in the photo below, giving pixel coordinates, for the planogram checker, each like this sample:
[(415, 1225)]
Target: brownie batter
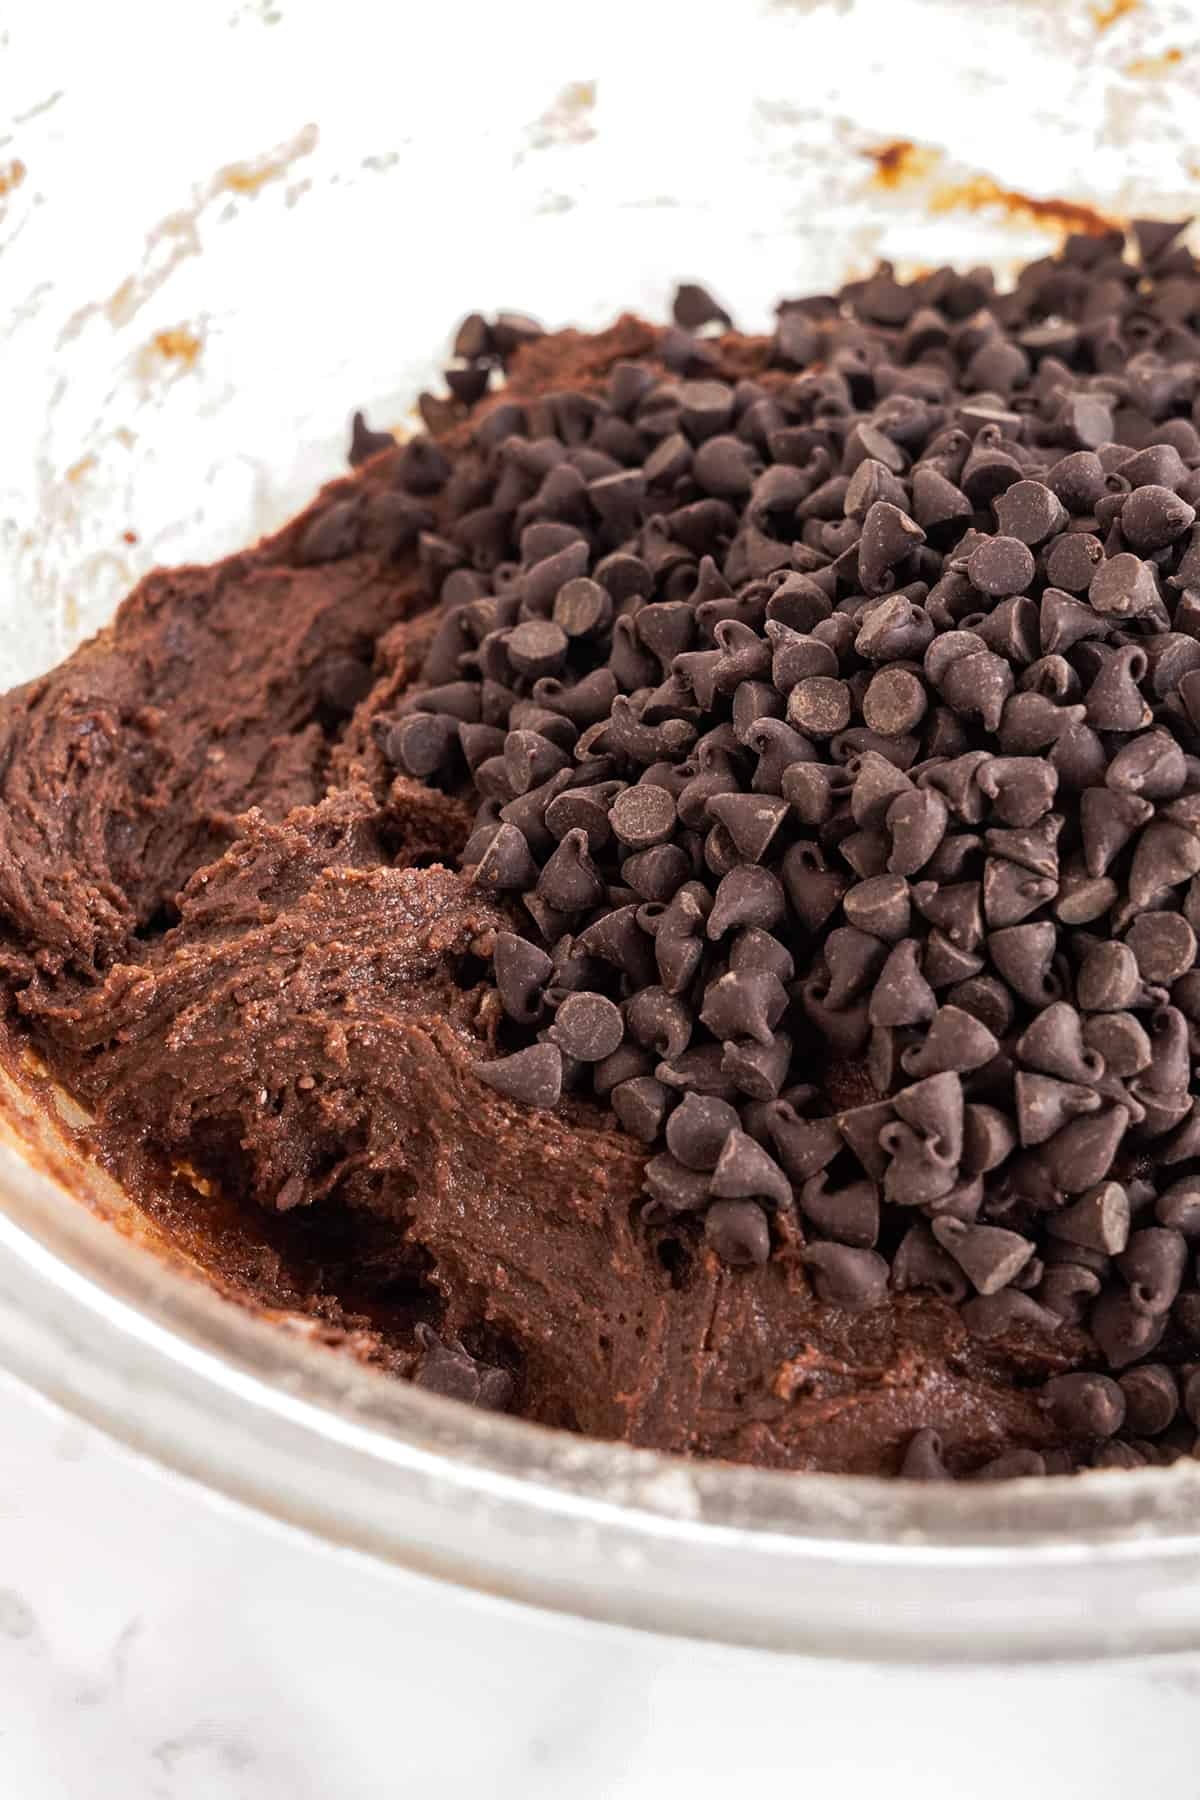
[(239, 931)]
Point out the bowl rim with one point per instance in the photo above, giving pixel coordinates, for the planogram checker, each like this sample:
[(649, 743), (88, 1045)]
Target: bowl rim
[(1102, 1564)]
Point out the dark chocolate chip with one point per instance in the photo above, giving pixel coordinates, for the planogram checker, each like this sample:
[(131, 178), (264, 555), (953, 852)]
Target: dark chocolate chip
[(365, 443), (738, 1231), (522, 973), (532, 1077), (855, 1280), (987, 1254), (641, 1104), (587, 1027), (1085, 1405)]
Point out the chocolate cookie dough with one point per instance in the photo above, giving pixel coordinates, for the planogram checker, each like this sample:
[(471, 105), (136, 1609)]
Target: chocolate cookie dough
[(668, 901)]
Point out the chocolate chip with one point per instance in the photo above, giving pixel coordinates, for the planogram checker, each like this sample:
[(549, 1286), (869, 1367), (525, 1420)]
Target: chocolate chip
[(421, 744), (1151, 1399), (738, 1231), (895, 702), (889, 536), (988, 1255), (1023, 955), (1153, 1262), (745, 1171), (531, 1077), (449, 1370), (746, 896), (1001, 565), (697, 1130), (1013, 1465), (1153, 517), (923, 1457), (1085, 1405), (570, 880), (660, 1021), (954, 1042), (744, 1003), (1124, 587), (641, 1104), (676, 1189), (1108, 978), (850, 1215), (506, 865), (522, 972), (1097, 1221), (819, 706), (587, 1027), (365, 443), (1031, 512), (901, 995), (855, 1280)]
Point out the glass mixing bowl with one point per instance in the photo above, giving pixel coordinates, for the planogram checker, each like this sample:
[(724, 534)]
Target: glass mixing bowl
[(211, 251)]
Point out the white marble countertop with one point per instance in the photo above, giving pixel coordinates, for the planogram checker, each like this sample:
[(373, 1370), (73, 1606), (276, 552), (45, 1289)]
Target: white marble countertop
[(159, 1645)]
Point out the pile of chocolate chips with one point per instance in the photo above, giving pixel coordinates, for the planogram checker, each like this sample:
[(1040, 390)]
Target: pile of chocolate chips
[(835, 735)]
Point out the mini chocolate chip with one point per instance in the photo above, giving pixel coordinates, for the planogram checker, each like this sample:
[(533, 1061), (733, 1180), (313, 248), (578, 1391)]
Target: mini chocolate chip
[(676, 1188), (744, 1003), (1097, 1221), (580, 809), (738, 1231), (889, 536), (745, 1171), (954, 1042), (819, 706), (1085, 1405), (988, 1255), (1153, 517), (506, 865), (656, 874), (570, 880), (923, 1457), (895, 702), (746, 896), (1082, 1153), (582, 608), (660, 1021), (365, 443), (1152, 765), (1013, 1465), (1001, 565), (1151, 1399), (448, 1370), (530, 760), (1124, 587), (1044, 1105), (901, 995), (1108, 978), (643, 816), (641, 1104), (697, 1130), (420, 744), (850, 1215), (881, 906), (587, 1027), (539, 647), (1179, 1207), (1153, 1263), (855, 1280), (532, 1077), (522, 972), (1030, 512)]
